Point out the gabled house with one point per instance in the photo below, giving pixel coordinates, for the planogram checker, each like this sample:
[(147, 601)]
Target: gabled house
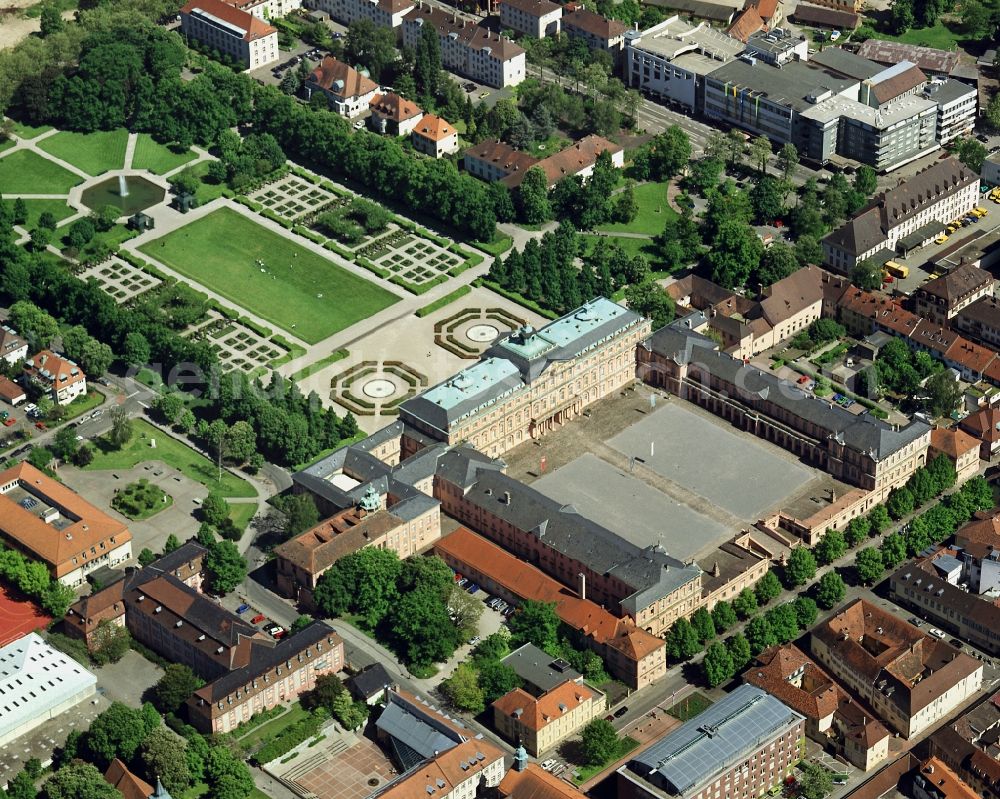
[(60, 377), (434, 136), (348, 91), (13, 348), (393, 114)]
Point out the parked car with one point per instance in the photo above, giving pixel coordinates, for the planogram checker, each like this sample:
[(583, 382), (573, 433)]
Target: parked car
[(474, 640), (472, 588), (462, 582), (548, 764), (259, 618), (274, 630), (956, 643), (9, 421), (936, 633), (41, 425), (621, 711), (242, 609), (915, 621)]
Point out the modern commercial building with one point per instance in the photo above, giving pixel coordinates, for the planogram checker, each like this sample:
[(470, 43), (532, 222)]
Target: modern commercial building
[(743, 745), (941, 299), (832, 717), (60, 377), (910, 679), (13, 348), (861, 450), (221, 26), (393, 114), (534, 18), (434, 136), (348, 91), (631, 654), (909, 215), (50, 523), (599, 33), (991, 170), (468, 48), (540, 723), (530, 382), (776, 47), (671, 60), (303, 559), (383, 13), (37, 683)]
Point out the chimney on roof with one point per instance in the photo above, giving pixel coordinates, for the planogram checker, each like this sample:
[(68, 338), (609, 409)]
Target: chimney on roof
[(582, 582), (506, 497)]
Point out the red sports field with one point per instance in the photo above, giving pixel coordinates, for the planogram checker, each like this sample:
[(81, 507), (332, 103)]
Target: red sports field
[(18, 616)]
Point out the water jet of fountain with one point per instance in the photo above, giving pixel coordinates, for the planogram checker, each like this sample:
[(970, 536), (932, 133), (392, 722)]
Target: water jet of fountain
[(122, 186)]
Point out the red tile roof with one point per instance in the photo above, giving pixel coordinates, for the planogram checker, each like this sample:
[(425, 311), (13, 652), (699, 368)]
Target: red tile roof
[(746, 24), (9, 390), (49, 368), (128, 784), (985, 424), (534, 783), (394, 107), (434, 128), (766, 8), (594, 24), (253, 27), (351, 82), (952, 442), (537, 712)]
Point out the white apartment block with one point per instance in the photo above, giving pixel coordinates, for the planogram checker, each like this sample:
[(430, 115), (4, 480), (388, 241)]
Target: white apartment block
[(384, 13), (957, 108), (468, 48), (534, 18), (238, 34), (268, 9)]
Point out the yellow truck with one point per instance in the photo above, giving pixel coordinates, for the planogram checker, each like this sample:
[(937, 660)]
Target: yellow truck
[(898, 271)]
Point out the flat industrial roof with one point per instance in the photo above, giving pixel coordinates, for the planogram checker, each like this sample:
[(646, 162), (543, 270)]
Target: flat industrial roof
[(893, 113), (673, 37), (789, 86)]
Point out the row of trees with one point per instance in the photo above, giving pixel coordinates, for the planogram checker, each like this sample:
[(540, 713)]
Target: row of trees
[(413, 604)]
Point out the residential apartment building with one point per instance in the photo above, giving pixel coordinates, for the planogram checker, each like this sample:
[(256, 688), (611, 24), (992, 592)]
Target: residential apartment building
[(963, 746), (980, 320), (245, 38), (383, 13), (540, 723), (940, 300), (529, 781), (931, 588), (468, 48), (60, 377), (434, 136), (348, 91), (860, 450), (832, 717), (533, 18), (743, 745), (957, 446), (466, 771), (923, 204), (631, 654), (393, 114), (958, 108), (498, 161), (530, 382), (984, 426), (671, 60), (13, 348), (303, 559), (48, 522), (911, 680), (936, 781), (267, 9), (600, 33)]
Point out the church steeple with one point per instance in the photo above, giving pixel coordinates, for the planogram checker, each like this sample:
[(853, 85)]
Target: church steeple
[(160, 792)]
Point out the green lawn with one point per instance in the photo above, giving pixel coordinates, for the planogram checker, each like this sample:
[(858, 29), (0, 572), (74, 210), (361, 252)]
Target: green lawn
[(172, 452), (241, 513), (25, 172), (552, 145), (940, 35), (24, 131), (94, 153), (303, 293), (155, 157), (625, 745), (36, 208), (653, 211), (207, 192), (690, 706), (274, 727), (84, 404), (632, 246), (6, 144)]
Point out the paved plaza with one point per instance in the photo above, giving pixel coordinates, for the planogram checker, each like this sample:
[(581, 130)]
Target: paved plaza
[(347, 766), (120, 279), (634, 510), (745, 477)]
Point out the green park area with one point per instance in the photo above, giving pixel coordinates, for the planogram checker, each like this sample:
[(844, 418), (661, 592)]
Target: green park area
[(58, 208), (141, 500), (654, 211), (941, 35), (173, 453), (158, 158), (25, 172), (94, 153), (296, 289), (25, 131)]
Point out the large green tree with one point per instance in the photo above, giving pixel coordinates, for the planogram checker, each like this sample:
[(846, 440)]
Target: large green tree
[(225, 567), (830, 589), (536, 623), (117, 732), (163, 754), (599, 742), (79, 780), (717, 664), (172, 690)]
